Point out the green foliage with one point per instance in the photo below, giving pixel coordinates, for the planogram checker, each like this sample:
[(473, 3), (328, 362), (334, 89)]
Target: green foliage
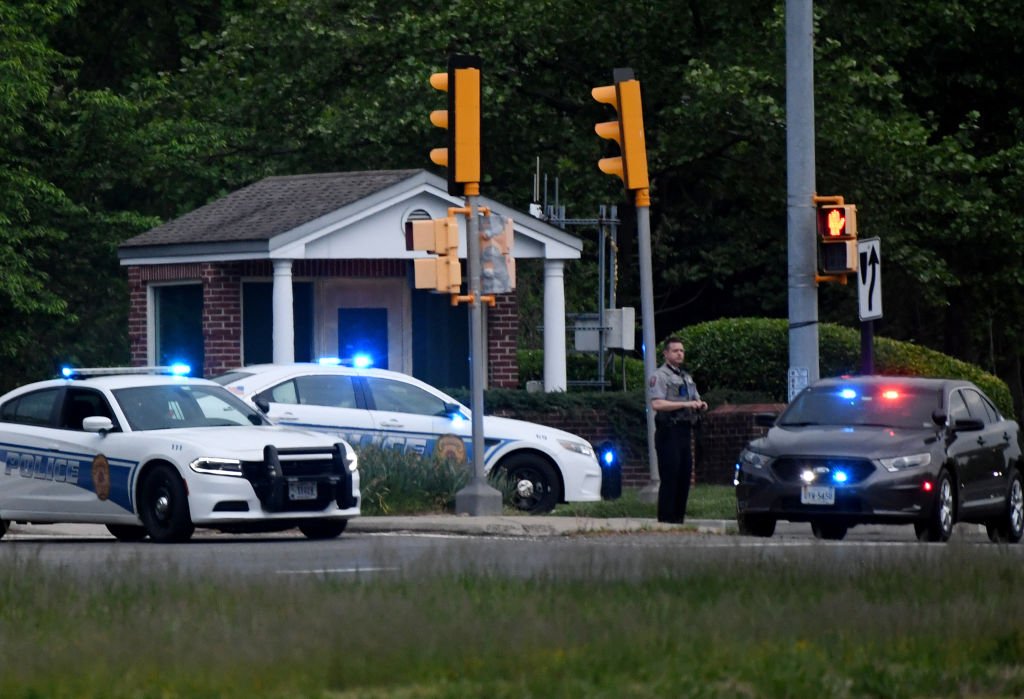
[(396, 483), (705, 502), (751, 354), (583, 367)]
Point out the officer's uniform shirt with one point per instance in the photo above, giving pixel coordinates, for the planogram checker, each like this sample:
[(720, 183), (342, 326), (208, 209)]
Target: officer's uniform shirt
[(673, 385)]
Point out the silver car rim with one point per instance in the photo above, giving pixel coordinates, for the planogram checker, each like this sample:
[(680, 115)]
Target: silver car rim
[(1016, 507), (946, 506)]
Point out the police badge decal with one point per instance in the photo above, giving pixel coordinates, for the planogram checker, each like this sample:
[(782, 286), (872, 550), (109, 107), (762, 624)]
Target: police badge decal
[(101, 476)]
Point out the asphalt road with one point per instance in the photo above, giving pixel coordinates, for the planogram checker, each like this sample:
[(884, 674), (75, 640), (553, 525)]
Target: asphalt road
[(589, 549)]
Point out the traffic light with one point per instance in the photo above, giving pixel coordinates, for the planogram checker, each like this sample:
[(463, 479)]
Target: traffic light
[(439, 236), (627, 130), (461, 119), (497, 264), (837, 239)]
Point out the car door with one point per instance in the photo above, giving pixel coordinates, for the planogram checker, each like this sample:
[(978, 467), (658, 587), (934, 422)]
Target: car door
[(51, 466), (409, 418), (324, 402), (964, 451), (993, 440)]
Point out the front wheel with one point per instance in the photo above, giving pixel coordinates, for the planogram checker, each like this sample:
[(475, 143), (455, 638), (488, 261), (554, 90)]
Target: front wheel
[(531, 482), (755, 525), (827, 531), (1009, 526), (323, 528), (163, 506), (939, 524), (127, 532)]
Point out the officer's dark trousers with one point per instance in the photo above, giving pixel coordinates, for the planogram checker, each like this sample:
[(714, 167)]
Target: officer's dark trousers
[(675, 466)]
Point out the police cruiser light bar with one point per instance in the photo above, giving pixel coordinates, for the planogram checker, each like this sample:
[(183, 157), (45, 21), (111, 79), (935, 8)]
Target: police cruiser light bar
[(77, 372)]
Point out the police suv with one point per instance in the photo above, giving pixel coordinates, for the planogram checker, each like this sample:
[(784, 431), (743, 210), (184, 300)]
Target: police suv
[(157, 455)]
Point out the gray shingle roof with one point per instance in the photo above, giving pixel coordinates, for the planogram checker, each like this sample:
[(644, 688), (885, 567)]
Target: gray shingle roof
[(270, 207)]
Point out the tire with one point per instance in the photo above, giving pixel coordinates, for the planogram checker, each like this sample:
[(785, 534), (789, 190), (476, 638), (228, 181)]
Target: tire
[(1009, 527), (939, 525), (127, 532), (531, 483), (163, 506), (829, 531), (755, 525), (3, 527), (323, 528)]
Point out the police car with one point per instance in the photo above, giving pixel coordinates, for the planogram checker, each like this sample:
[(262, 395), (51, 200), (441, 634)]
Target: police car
[(157, 455), (545, 466)]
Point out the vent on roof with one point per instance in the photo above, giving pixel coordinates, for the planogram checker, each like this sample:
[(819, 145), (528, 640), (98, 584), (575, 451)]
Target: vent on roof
[(415, 215)]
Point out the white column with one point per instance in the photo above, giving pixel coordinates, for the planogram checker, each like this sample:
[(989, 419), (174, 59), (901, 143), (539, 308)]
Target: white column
[(554, 326), (284, 323)]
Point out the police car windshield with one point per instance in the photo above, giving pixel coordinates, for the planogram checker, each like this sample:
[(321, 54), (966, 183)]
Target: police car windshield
[(875, 405), (173, 405)]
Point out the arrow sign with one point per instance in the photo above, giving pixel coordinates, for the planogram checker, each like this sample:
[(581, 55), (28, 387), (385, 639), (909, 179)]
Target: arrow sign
[(869, 278)]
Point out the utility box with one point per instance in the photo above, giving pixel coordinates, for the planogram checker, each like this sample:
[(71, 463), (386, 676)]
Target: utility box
[(619, 330)]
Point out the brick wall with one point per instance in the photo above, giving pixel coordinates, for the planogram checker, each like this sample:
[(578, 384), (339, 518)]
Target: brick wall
[(222, 318), (502, 336), (723, 432)]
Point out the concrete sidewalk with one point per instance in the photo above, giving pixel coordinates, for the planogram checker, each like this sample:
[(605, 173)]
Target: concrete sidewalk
[(461, 525)]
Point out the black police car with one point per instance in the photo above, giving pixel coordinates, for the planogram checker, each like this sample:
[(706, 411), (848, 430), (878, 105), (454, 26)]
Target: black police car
[(879, 449)]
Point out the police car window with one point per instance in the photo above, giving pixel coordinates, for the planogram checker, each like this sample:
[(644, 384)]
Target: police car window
[(976, 406), (957, 407), (281, 393), (400, 397), (80, 403), (171, 406), (34, 408), (328, 390)]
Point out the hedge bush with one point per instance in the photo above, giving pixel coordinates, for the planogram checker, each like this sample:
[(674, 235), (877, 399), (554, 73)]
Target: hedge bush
[(746, 360)]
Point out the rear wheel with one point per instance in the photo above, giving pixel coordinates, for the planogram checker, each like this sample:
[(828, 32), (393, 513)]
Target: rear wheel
[(755, 525), (323, 528), (828, 531), (939, 524), (532, 483), (127, 532), (163, 506), (3, 527), (1009, 526)]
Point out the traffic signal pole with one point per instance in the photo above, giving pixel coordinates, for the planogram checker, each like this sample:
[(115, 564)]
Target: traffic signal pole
[(643, 230), (478, 497)]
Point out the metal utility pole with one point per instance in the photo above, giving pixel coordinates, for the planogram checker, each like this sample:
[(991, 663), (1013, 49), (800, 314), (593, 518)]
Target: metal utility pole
[(800, 189)]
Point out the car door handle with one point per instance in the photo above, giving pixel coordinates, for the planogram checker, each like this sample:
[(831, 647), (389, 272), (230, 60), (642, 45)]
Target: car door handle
[(391, 423), (286, 416), (1006, 437), (981, 440)]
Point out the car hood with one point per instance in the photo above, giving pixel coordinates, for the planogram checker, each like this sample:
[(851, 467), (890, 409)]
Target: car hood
[(507, 428), (243, 442), (862, 441)]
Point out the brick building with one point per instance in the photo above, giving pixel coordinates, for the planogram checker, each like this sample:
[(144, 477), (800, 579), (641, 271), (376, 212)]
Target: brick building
[(301, 267)]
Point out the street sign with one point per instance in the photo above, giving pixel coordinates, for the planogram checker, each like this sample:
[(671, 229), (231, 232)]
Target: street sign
[(869, 278)]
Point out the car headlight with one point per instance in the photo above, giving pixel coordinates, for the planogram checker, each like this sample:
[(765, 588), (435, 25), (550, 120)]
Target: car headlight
[(578, 447), (899, 463), (217, 467), (753, 459)]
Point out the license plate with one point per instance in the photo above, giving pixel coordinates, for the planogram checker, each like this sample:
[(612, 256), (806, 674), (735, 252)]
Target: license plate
[(818, 495), (302, 490)]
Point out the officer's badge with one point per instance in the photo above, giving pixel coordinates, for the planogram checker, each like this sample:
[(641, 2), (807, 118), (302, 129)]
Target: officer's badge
[(654, 380)]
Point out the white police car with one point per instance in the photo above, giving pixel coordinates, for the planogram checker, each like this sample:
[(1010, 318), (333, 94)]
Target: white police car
[(159, 455), (546, 466)]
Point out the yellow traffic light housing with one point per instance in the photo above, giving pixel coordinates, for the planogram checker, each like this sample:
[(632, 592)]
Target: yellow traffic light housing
[(627, 130), (461, 156), (441, 237), (837, 238)]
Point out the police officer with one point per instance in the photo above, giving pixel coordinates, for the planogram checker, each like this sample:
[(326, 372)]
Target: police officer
[(673, 397)]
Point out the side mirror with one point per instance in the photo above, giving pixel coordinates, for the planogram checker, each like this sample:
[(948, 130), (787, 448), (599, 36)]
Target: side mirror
[(97, 423), (262, 403), (939, 417), (765, 419)]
